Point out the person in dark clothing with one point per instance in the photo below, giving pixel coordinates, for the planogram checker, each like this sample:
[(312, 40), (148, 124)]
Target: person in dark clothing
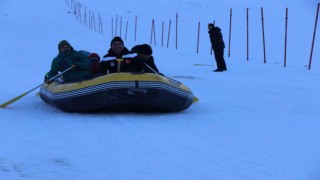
[(217, 46), (117, 48), (117, 59), (94, 58), (66, 58), (144, 61)]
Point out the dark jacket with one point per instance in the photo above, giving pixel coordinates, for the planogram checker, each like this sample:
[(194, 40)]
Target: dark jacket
[(65, 60), (110, 63), (111, 66), (112, 53), (141, 65), (216, 38)]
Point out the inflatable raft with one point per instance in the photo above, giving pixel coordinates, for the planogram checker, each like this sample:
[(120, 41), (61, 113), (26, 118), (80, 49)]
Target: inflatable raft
[(119, 92)]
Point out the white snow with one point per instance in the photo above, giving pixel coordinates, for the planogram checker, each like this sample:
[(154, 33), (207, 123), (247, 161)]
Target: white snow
[(256, 121)]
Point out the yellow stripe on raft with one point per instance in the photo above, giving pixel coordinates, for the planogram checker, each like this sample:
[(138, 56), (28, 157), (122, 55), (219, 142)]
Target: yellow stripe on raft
[(114, 77)]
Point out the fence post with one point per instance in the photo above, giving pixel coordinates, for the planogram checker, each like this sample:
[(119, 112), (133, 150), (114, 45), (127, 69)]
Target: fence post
[(198, 37), (90, 20), (169, 34), (116, 30), (101, 26), (314, 35), (152, 27), (264, 44), (112, 28), (177, 31), (285, 40), (79, 15), (230, 32), (121, 26), (85, 17), (162, 33), (125, 36), (94, 22), (99, 23), (247, 34), (154, 33), (135, 28)]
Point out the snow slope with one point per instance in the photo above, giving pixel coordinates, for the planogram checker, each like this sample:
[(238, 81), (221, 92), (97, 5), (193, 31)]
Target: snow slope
[(255, 121)]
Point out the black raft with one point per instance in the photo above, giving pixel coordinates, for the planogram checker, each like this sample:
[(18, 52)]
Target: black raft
[(119, 92)]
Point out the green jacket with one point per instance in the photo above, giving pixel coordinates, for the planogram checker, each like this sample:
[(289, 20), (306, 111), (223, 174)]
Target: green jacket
[(65, 60)]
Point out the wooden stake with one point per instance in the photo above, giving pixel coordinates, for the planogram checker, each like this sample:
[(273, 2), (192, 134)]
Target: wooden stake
[(264, 44), (169, 34), (230, 32), (314, 36), (177, 31), (247, 34), (198, 37), (285, 40)]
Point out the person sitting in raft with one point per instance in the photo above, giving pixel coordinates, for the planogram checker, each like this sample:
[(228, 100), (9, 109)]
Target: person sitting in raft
[(66, 58), (144, 61), (94, 58), (118, 58)]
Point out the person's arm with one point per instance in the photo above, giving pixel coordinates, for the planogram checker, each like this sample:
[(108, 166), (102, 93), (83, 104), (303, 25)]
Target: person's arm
[(103, 67), (53, 71), (82, 62), (151, 63)]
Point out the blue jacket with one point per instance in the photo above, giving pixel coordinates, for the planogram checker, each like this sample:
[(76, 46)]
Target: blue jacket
[(65, 60)]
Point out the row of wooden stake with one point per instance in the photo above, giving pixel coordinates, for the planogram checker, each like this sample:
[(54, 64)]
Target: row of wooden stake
[(76, 9), (114, 30), (88, 19), (263, 36)]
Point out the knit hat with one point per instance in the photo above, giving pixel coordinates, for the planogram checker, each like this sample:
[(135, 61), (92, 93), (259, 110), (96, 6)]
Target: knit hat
[(94, 57), (117, 38), (146, 49), (142, 49), (63, 42)]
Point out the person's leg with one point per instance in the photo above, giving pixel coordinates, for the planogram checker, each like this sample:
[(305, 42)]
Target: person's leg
[(223, 63), (218, 54)]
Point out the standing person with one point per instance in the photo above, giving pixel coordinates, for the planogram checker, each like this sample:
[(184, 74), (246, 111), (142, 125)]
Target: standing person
[(217, 46), (144, 61), (109, 63), (66, 58)]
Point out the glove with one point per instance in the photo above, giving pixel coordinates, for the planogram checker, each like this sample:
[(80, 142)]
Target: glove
[(48, 81)]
